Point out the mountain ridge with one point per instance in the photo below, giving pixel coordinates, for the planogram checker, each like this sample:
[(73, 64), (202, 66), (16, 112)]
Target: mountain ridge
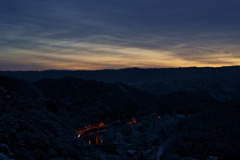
[(222, 83)]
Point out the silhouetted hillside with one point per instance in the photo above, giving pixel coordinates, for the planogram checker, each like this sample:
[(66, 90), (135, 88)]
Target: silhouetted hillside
[(222, 83), (187, 102), (130, 75), (39, 119), (103, 99)]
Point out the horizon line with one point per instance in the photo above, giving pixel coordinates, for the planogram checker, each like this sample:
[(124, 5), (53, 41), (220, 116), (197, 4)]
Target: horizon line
[(116, 69)]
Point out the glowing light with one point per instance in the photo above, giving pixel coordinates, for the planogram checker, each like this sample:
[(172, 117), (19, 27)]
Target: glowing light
[(132, 122), (96, 140), (80, 132)]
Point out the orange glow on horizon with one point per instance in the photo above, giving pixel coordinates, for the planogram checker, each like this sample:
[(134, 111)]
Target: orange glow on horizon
[(117, 57)]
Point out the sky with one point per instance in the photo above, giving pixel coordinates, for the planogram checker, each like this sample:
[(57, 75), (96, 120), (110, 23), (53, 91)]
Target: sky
[(114, 34)]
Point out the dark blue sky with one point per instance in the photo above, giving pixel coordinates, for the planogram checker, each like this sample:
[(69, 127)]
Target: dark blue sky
[(94, 34)]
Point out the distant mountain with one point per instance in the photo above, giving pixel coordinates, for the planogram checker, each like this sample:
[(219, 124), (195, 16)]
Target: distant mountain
[(221, 83), (130, 75)]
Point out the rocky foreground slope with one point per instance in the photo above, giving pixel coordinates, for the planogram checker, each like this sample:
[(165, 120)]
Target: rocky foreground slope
[(38, 121)]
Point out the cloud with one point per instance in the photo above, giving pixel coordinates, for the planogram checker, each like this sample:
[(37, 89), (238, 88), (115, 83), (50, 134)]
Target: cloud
[(141, 33)]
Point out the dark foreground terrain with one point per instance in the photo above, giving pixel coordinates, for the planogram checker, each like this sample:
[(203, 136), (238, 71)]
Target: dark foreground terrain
[(172, 114)]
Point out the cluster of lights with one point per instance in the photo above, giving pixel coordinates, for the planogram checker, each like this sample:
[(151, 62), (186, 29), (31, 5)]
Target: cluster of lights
[(80, 132)]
